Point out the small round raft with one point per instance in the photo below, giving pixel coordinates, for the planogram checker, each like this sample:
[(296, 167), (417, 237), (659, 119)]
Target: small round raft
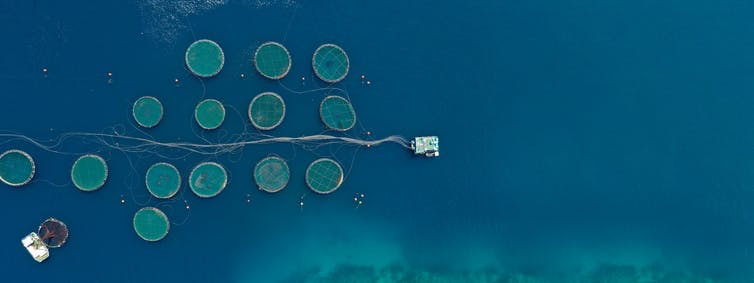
[(163, 180), (205, 58), (337, 113), (209, 114), (208, 179), (151, 224), (324, 176), (147, 111), (271, 174), (330, 63), (53, 233), (89, 172), (272, 60), (16, 168), (266, 110)]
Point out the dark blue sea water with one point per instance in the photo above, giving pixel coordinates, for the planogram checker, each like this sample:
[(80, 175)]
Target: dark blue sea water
[(581, 141)]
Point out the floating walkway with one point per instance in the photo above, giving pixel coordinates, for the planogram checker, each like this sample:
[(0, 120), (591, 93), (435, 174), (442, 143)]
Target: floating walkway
[(208, 179), (205, 58), (272, 174), (16, 168), (324, 176), (337, 113), (330, 63), (89, 172), (147, 111), (209, 114), (163, 180), (266, 110), (272, 60), (151, 224)]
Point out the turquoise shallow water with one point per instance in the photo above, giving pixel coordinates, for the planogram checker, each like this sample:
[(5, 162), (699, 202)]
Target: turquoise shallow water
[(582, 141)]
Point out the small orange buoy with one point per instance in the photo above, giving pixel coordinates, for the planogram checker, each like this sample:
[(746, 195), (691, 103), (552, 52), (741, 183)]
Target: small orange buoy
[(369, 145), (303, 78), (44, 70), (243, 75), (176, 80), (362, 77), (187, 207), (369, 82), (369, 133), (109, 74)]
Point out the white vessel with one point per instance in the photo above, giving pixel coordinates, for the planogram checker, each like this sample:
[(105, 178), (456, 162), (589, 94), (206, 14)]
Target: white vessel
[(36, 248)]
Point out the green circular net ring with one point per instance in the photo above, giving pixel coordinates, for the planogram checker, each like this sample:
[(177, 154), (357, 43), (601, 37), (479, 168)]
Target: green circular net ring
[(89, 172), (205, 58), (271, 174), (209, 114), (163, 180), (330, 63), (337, 113), (151, 224), (16, 168), (266, 110), (324, 176), (147, 111), (272, 60), (208, 179)]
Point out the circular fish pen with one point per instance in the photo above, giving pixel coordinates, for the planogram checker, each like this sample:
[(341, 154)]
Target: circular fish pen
[(151, 224), (147, 111), (337, 113), (266, 110), (16, 168), (163, 180), (271, 174), (209, 114), (205, 58), (208, 179), (324, 176), (89, 172), (53, 233), (330, 63), (272, 60)]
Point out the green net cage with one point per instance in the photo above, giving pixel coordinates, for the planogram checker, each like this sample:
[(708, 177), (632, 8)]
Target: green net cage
[(330, 63), (147, 111), (266, 111), (271, 174), (16, 168), (337, 113), (205, 58), (163, 180), (324, 176), (272, 60), (209, 114), (151, 224), (89, 172), (208, 179)]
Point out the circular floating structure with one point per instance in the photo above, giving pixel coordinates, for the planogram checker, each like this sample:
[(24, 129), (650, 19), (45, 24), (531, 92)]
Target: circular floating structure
[(209, 114), (163, 180), (89, 172), (266, 110), (147, 111), (271, 174), (272, 60), (337, 113), (151, 224), (208, 179), (205, 58), (53, 233), (330, 63), (324, 176), (16, 167)]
